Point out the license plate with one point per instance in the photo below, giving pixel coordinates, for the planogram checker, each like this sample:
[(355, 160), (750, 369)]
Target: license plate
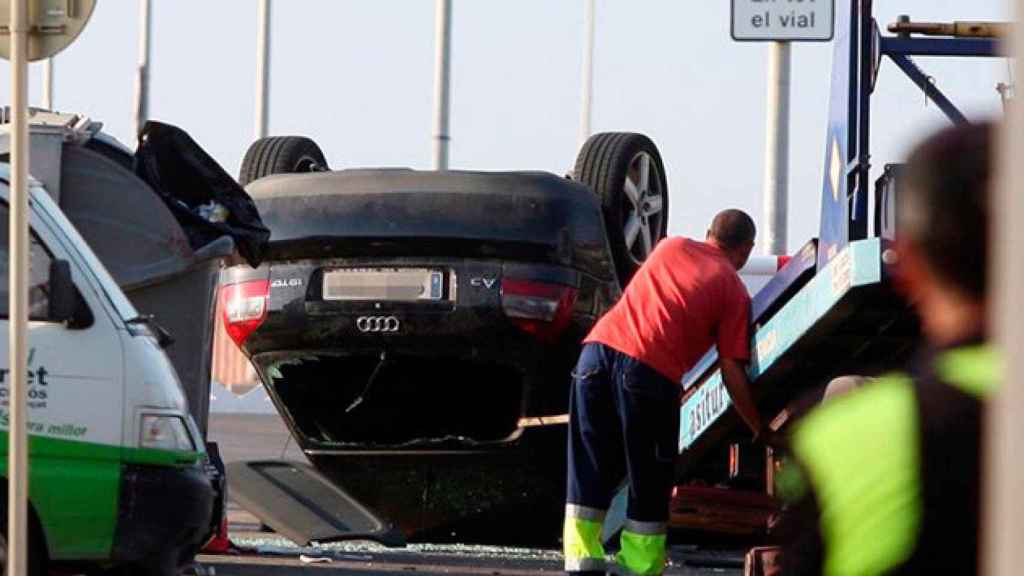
[(384, 284)]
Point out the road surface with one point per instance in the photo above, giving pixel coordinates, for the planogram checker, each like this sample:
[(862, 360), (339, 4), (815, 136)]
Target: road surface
[(251, 437)]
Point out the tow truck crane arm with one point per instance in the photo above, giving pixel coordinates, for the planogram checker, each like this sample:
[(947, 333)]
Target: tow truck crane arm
[(953, 29)]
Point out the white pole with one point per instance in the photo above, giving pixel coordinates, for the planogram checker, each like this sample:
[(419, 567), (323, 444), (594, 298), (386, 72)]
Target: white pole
[(48, 83), (17, 454), (776, 155), (587, 75), (141, 109), (1003, 497), (442, 78), (262, 68)]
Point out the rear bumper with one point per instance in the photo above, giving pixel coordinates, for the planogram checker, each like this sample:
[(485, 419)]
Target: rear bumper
[(164, 515)]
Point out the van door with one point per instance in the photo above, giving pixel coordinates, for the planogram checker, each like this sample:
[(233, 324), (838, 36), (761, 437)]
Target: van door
[(75, 400)]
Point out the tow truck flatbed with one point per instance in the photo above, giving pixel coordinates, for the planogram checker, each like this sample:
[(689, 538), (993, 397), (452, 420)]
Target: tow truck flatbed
[(845, 318)]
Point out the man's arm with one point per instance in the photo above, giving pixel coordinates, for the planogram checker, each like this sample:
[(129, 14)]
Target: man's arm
[(735, 377)]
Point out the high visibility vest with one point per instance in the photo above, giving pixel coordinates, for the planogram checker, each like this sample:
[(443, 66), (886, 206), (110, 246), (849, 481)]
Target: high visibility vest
[(891, 472)]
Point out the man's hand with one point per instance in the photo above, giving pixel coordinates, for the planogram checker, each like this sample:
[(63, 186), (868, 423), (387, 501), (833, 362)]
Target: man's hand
[(734, 374)]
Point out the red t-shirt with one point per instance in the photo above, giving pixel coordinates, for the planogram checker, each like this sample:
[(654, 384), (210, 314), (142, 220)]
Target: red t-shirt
[(685, 298)]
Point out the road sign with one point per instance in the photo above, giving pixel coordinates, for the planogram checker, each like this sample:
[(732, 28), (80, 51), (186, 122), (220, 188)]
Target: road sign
[(52, 25), (783, 20)]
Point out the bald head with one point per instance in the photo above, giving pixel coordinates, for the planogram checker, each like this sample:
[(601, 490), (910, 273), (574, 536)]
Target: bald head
[(732, 229), (733, 232)]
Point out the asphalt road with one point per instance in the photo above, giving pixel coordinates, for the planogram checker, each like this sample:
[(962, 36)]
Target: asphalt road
[(434, 564), (252, 437)]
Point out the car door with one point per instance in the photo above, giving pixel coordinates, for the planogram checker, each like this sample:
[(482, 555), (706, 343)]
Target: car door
[(75, 404)]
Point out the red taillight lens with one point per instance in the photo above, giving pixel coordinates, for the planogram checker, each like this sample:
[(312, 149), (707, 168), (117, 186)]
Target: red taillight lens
[(538, 308), (244, 307)]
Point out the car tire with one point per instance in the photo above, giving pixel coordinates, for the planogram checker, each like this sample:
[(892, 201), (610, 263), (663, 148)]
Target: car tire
[(281, 155), (625, 170)]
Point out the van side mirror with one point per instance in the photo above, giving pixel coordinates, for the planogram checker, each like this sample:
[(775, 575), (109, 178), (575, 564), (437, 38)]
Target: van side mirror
[(64, 303)]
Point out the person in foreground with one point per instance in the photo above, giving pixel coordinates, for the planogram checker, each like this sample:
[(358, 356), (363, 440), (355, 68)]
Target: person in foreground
[(885, 479), (624, 404)]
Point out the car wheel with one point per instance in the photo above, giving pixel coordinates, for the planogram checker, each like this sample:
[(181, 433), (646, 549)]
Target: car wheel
[(626, 172), (281, 155)]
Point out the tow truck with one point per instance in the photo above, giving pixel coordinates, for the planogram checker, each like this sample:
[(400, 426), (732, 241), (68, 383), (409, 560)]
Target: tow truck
[(832, 309)]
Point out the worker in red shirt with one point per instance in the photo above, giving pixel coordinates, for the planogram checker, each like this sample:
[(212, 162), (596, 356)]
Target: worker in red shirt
[(624, 405)]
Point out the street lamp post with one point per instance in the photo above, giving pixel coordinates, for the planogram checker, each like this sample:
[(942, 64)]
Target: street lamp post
[(587, 72), (442, 81), (141, 108), (262, 68)]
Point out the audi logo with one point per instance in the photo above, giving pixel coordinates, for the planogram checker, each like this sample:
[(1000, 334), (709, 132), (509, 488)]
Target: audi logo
[(378, 324)]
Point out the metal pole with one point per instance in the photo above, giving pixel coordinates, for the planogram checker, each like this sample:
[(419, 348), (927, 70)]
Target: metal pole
[(442, 78), (17, 454), (1004, 474), (587, 75), (48, 83), (262, 68), (776, 154), (141, 110)]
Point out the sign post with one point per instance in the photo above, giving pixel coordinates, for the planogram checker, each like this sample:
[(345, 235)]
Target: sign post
[(36, 29), (779, 22), (776, 151), (17, 451)]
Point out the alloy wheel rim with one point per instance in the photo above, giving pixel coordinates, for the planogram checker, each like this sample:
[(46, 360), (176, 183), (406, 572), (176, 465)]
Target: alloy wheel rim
[(643, 207)]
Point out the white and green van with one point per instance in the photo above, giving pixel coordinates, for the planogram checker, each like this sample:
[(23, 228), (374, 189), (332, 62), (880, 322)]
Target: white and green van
[(118, 472)]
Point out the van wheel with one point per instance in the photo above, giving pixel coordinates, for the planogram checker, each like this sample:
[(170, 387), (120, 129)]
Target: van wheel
[(37, 558), (625, 170), (281, 155)]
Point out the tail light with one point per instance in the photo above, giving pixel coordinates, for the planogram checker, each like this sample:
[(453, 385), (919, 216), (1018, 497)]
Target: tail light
[(245, 307), (538, 308)]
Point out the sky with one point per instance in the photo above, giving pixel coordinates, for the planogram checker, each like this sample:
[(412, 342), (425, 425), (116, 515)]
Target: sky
[(357, 77)]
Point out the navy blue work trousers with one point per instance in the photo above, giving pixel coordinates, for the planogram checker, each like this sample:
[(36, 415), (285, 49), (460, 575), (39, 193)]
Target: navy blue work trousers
[(623, 424)]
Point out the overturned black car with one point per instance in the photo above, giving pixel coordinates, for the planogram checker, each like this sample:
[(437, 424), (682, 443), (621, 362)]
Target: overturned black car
[(416, 329)]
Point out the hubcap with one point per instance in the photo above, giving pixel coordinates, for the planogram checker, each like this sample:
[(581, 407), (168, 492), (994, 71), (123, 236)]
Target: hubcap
[(642, 207)]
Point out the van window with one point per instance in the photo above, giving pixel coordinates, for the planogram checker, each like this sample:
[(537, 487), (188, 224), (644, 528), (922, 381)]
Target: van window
[(39, 272)]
